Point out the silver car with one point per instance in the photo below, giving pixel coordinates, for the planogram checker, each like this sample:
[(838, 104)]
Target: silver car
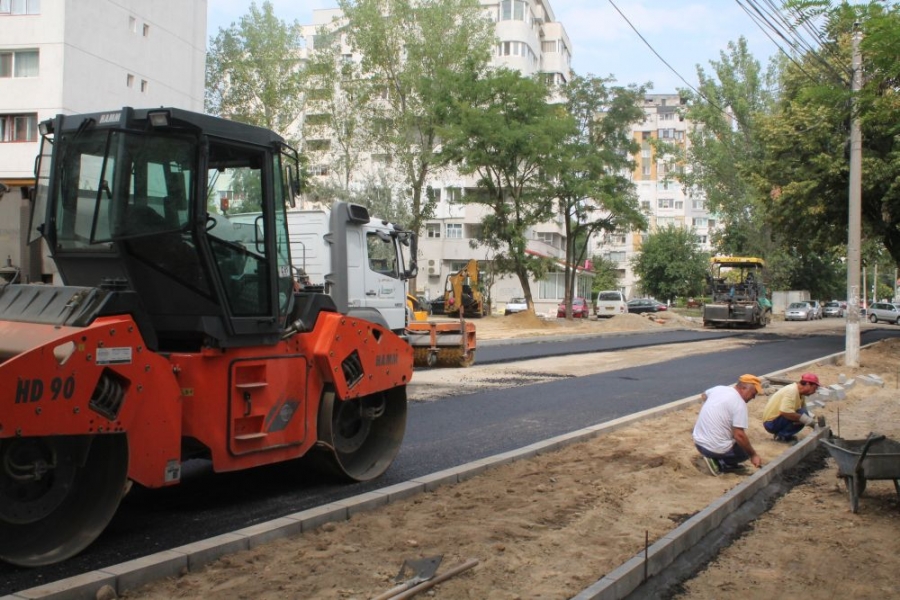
[(799, 311), (817, 309), (833, 309), (884, 311)]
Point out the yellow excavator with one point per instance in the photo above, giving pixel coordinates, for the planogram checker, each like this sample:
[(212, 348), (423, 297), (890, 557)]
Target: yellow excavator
[(462, 293)]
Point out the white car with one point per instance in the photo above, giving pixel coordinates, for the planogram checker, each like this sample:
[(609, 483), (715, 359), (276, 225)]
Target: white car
[(515, 305), (610, 303)]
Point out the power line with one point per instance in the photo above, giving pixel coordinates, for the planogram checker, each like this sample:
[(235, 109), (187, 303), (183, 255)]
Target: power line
[(671, 68), (767, 19)]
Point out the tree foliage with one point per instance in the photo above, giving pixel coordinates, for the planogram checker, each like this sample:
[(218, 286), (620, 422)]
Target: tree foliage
[(503, 130), (805, 170), (591, 185), (606, 275), (253, 71), (414, 51), (724, 150), (671, 264), (335, 127)]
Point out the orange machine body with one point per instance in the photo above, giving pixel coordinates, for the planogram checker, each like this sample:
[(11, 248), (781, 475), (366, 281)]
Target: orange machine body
[(247, 406)]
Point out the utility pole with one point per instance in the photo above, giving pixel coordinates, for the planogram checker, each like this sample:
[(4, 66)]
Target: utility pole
[(851, 353)]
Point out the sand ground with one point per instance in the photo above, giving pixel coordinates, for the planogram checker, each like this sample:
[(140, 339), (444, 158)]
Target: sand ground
[(550, 526)]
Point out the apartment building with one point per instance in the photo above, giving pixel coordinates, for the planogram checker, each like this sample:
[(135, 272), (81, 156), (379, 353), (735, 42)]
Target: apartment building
[(530, 40), (663, 199), (72, 56)]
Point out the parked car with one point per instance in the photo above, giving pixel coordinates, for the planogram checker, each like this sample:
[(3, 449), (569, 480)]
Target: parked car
[(884, 311), (580, 309), (833, 309), (610, 303), (515, 305), (817, 309), (799, 311), (645, 305)]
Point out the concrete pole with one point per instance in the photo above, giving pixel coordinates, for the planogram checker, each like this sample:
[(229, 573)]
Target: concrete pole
[(854, 213)]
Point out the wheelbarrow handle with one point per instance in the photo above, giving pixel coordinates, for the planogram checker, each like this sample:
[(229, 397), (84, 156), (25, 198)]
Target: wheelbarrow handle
[(865, 450)]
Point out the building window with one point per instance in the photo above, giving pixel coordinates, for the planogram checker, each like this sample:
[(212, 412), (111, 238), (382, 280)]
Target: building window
[(512, 10), (664, 221), (679, 205), (664, 203), (701, 239), (645, 206), (454, 231), (549, 47), (616, 257), (433, 230), (146, 30), (454, 194), (144, 85), (697, 204), (129, 80), (21, 63), (132, 24), (20, 7), (700, 222), (318, 170), (18, 128), (711, 223)]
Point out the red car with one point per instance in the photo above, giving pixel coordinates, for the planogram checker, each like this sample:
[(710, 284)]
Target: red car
[(580, 309)]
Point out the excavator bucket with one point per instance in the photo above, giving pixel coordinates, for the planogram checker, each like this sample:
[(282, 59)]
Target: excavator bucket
[(442, 344)]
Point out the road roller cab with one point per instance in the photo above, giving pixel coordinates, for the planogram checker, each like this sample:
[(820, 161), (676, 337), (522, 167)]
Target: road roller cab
[(177, 333)]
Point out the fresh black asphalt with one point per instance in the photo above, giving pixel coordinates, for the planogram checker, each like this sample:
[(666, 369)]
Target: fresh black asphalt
[(439, 435)]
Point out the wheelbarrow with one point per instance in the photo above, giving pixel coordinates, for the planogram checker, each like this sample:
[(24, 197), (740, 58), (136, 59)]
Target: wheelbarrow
[(875, 457)]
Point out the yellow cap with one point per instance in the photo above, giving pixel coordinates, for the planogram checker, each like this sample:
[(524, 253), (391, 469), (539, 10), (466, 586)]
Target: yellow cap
[(752, 379)]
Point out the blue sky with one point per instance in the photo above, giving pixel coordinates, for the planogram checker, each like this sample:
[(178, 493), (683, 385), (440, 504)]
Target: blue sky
[(684, 32)]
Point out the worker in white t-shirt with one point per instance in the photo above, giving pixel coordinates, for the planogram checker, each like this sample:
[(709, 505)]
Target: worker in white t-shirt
[(720, 433)]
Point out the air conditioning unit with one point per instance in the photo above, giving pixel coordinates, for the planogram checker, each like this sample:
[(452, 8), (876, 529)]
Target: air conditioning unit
[(430, 263), (431, 270)]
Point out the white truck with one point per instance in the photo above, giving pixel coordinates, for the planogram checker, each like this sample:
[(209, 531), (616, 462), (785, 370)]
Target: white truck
[(363, 263)]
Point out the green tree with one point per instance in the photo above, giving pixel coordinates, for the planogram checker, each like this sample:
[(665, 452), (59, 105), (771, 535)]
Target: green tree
[(253, 71), (606, 275), (504, 131), (414, 51), (724, 149), (593, 190), (671, 264), (335, 125), (805, 171)]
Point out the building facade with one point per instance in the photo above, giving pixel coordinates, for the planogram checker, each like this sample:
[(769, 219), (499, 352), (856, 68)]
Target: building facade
[(663, 199), (73, 56)]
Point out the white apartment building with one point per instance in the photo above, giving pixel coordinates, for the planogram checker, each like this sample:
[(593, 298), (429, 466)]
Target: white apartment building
[(662, 198), (531, 41), (74, 56)]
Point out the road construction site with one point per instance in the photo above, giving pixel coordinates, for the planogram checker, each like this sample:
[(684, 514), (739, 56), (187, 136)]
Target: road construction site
[(576, 516)]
